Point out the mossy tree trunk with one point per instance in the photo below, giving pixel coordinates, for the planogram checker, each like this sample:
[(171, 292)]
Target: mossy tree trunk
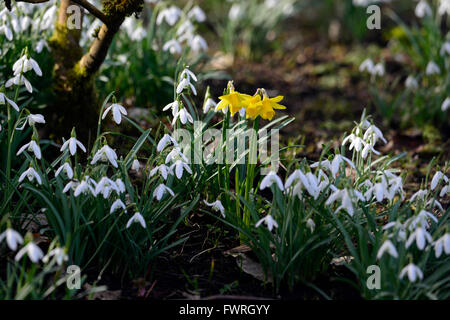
[(76, 103)]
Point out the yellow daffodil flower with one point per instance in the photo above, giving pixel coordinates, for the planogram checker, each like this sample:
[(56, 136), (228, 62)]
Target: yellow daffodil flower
[(234, 100), (268, 106), (254, 106)]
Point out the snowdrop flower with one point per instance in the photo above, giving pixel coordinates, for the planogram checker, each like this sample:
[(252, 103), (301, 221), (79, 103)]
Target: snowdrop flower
[(120, 185), (388, 247), (346, 199), (445, 49), (441, 243), (166, 139), (117, 204), (170, 15), (19, 80), (32, 250), (438, 176), (235, 12), (173, 46), (161, 190), (137, 217), (138, 34), (444, 7), (67, 169), (184, 117), (72, 145), (355, 142), (105, 154), (32, 119), (185, 29), (84, 187), (13, 238), (209, 104), (185, 81), (399, 228), (25, 64), (368, 147), (48, 18), (59, 254), (198, 43), (423, 9), (4, 99), (117, 111), (176, 154), (268, 221), (367, 65), (378, 70), (412, 271), (216, 206), (336, 163), (421, 236), (31, 146), (421, 194), (162, 169), (310, 224), (432, 68), (135, 165), (179, 167), (7, 32), (70, 185), (271, 178), (174, 106), (105, 186), (372, 134), (197, 13), (445, 104), (324, 164), (40, 45), (411, 83), (420, 220)]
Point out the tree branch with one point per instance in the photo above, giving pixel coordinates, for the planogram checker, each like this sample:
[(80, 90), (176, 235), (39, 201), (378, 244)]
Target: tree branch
[(83, 3)]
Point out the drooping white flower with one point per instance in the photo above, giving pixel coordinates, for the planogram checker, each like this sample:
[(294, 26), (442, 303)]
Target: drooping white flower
[(31, 146), (173, 46), (444, 7), (209, 104), (166, 139), (4, 99), (70, 185), (442, 244), (180, 166), (13, 238), (105, 154), (138, 34), (412, 271), (372, 134), (173, 106), (72, 145), (388, 247), (170, 15), (31, 174), (120, 185), (25, 64), (161, 190), (197, 13), (367, 65), (117, 111), (216, 206), (423, 9), (271, 178), (175, 155), (378, 70), (355, 142), (19, 80), (137, 217), (336, 163), (268, 221), (438, 177), (84, 187), (48, 18), (421, 194), (185, 83), (421, 236), (117, 204), (67, 169), (445, 49), (198, 43), (411, 83), (32, 119), (235, 12), (162, 169), (105, 186), (59, 254), (310, 224), (346, 199), (432, 68), (32, 250), (446, 104), (184, 117), (40, 45), (135, 165)]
